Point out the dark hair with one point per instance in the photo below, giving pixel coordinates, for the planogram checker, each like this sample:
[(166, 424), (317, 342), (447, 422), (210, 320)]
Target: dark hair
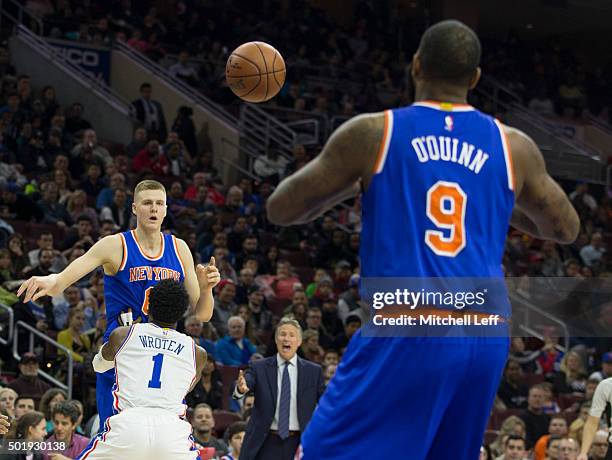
[(168, 301), (44, 405), (235, 428), (449, 52), (145, 85), (514, 437), (68, 409), (552, 438), (31, 419), (84, 217), (19, 398)]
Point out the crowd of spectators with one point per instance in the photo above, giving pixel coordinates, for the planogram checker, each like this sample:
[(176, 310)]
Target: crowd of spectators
[(335, 69), (62, 189)]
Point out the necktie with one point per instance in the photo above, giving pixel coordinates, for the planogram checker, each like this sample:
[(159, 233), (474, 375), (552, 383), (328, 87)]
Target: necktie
[(284, 405)]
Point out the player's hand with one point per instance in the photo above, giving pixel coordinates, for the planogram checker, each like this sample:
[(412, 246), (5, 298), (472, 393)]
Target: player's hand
[(39, 286), (5, 424), (241, 384), (208, 276)]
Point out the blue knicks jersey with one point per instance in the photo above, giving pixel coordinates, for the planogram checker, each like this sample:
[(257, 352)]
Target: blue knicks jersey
[(138, 273), (441, 197)]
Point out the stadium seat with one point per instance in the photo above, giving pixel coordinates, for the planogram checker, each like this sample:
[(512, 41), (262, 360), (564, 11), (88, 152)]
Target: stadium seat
[(297, 258), (490, 436), (223, 419), (568, 400), (229, 374), (532, 379), (498, 417), (266, 239), (305, 274), (277, 306)]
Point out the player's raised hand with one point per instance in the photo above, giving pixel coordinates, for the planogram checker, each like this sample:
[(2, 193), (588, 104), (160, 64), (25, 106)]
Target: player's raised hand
[(208, 276), (39, 286), (5, 424), (243, 388)]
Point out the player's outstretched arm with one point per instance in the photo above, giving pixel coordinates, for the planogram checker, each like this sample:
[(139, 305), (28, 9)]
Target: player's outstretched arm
[(542, 208), (200, 362), (105, 358), (108, 252), (588, 434), (199, 282), (333, 176)]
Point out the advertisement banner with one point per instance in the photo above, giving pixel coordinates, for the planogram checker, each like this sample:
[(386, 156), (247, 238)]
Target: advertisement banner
[(94, 60)]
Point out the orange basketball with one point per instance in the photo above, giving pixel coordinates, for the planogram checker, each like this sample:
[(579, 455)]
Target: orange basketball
[(255, 72)]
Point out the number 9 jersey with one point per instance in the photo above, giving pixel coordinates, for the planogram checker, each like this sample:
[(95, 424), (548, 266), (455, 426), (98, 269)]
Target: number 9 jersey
[(441, 197)]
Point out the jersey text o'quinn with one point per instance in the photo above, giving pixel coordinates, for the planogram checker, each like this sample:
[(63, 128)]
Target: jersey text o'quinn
[(444, 148), (145, 273), (161, 344)]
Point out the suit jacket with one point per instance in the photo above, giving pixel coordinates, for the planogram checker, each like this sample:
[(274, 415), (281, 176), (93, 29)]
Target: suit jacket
[(138, 111), (262, 379)]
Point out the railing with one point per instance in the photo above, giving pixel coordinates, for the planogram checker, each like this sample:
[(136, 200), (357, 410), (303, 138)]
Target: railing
[(260, 131), (310, 127), (56, 58), (526, 327), (598, 122), (179, 85), (35, 332), (17, 17), (11, 324), (245, 155)]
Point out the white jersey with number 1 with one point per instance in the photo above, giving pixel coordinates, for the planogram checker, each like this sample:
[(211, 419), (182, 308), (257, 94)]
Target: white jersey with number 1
[(155, 368)]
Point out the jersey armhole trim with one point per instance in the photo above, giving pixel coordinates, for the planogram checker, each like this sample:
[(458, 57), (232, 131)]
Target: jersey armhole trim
[(383, 150), (178, 254), (507, 155), (127, 338), (124, 257)]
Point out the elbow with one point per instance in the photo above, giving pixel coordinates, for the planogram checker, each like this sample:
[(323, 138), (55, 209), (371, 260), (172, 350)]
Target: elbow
[(277, 213), (204, 317), (569, 233)]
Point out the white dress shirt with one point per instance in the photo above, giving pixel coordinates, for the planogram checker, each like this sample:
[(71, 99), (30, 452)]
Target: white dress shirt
[(294, 424)]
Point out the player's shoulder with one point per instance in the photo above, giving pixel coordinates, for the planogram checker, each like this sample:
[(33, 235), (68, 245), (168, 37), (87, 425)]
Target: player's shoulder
[(111, 241), (119, 335), (518, 141), (366, 122)]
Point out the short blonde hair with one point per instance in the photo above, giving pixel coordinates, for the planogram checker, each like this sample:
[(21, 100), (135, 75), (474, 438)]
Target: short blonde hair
[(148, 184)]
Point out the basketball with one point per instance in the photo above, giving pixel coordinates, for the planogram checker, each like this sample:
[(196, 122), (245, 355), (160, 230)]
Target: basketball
[(255, 72)]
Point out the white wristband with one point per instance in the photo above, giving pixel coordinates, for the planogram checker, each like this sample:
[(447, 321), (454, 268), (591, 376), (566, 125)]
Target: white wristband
[(100, 364), (126, 319)]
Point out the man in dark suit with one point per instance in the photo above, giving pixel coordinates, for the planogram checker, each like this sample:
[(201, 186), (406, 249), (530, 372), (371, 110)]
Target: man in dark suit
[(150, 114), (287, 389)]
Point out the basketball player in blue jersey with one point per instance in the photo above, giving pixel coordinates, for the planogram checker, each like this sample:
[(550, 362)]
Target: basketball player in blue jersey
[(133, 262), (441, 181)]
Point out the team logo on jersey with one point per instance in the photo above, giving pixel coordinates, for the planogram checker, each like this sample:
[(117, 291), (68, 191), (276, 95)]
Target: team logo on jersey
[(448, 123)]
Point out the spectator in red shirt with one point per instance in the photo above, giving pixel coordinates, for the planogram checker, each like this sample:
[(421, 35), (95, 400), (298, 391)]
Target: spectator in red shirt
[(199, 179), (150, 160)]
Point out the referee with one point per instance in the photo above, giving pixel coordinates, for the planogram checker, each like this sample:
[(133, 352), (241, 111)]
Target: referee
[(602, 401)]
